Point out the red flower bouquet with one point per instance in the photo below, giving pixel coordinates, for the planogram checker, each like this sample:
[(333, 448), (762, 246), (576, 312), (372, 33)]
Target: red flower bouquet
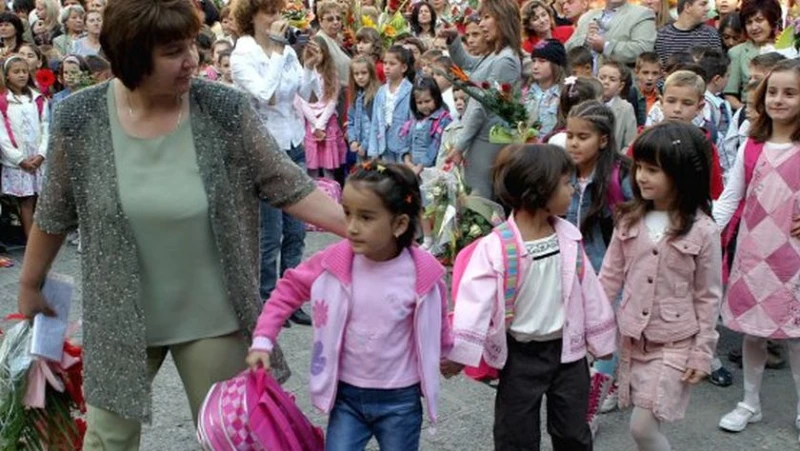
[(45, 78)]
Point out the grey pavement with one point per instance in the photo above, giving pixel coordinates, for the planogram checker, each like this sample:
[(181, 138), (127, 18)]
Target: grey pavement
[(465, 419)]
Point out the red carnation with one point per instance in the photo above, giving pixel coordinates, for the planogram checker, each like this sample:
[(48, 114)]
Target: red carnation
[(506, 88), (485, 85), (45, 78)]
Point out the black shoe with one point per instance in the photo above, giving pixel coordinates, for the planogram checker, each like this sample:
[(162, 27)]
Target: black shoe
[(735, 355), (300, 317), (721, 377), (287, 324)]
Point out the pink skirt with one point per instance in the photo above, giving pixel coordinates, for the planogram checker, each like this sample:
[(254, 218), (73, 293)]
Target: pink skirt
[(328, 153), (650, 377)]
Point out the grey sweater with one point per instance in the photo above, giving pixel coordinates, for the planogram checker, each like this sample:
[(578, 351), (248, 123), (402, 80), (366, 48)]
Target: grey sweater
[(239, 163)]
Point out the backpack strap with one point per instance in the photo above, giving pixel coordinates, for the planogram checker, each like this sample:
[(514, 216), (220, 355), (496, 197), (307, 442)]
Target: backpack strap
[(511, 263), (40, 105), (614, 194), (6, 121), (752, 150), (580, 268)]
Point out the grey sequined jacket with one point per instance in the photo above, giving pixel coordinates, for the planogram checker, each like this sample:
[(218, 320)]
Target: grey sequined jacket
[(239, 163)]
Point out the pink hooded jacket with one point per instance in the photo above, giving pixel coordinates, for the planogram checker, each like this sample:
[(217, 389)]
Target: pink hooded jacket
[(326, 280), (479, 323)]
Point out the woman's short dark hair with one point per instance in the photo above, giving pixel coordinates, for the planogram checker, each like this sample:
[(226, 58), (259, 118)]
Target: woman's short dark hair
[(771, 10), (133, 28), (526, 175), (13, 19), (245, 10)]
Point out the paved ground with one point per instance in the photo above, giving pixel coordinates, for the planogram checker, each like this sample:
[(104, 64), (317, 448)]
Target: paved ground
[(466, 407)]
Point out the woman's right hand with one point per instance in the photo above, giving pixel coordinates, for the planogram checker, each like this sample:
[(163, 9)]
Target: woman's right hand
[(30, 302), (449, 33), (258, 359)]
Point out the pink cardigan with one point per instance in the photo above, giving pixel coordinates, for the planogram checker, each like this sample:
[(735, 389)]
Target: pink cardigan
[(672, 290), (478, 321), (326, 280)]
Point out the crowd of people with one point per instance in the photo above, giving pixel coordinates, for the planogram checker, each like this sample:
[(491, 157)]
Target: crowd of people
[(661, 193)]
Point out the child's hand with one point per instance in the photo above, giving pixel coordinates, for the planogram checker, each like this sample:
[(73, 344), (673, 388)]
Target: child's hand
[(361, 152), (26, 166), (605, 357), (354, 146), (417, 168), (256, 359), (37, 161), (796, 227), (319, 135), (692, 376), (449, 368), (455, 157)]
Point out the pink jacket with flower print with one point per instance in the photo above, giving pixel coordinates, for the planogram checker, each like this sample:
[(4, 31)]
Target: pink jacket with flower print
[(326, 279), (478, 321), (672, 290)]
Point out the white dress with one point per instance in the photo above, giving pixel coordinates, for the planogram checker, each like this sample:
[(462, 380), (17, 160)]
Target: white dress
[(30, 133)]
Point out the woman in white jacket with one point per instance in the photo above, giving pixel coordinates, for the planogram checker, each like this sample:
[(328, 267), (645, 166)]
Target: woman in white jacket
[(268, 69)]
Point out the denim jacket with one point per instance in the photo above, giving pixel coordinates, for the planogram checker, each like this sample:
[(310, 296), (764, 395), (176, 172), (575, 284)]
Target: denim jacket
[(595, 240), (543, 105), (383, 138), (426, 136), (359, 120)]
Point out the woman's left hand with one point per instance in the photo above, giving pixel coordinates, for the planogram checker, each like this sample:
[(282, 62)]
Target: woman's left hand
[(692, 376), (311, 55)]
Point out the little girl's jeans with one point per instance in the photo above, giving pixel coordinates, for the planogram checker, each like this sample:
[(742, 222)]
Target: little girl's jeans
[(393, 416)]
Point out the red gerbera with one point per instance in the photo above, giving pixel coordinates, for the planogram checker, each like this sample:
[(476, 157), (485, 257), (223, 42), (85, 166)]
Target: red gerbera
[(45, 78)]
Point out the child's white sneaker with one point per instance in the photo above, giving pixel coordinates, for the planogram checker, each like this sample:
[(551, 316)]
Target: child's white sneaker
[(740, 417), (612, 400)]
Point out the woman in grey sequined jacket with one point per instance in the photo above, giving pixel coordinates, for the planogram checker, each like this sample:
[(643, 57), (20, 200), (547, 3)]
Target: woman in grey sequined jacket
[(238, 163)]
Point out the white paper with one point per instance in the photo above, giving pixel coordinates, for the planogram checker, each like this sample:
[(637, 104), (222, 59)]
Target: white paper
[(49, 332)]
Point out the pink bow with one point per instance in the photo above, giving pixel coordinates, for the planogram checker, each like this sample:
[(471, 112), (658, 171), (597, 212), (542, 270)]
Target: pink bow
[(43, 372)]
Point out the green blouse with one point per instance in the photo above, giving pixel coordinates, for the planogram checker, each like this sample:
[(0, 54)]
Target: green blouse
[(182, 289), (739, 71)]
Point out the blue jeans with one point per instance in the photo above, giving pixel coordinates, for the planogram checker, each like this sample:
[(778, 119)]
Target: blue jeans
[(281, 234), (393, 416)]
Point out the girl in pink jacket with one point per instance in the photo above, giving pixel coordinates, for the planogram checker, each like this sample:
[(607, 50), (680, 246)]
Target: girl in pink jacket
[(665, 252), (538, 341), (379, 312)]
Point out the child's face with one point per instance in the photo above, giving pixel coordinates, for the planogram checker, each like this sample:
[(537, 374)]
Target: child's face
[(756, 74), (425, 103), (540, 21), (654, 184), (225, 68), (34, 63), (584, 142), (559, 202), (393, 68), (371, 227), (414, 51), (782, 102), (440, 44), (681, 103), (227, 26), (360, 74), (542, 71), (750, 112), (427, 68), (460, 98), (718, 83), (215, 51), (364, 48), (581, 71), (726, 6), (441, 80), (611, 80), (17, 77), (731, 38), (647, 75), (38, 27)]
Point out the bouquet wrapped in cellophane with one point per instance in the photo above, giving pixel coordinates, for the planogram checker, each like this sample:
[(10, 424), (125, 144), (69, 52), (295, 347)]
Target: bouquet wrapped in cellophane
[(41, 402), (297, 15), (458, 217)]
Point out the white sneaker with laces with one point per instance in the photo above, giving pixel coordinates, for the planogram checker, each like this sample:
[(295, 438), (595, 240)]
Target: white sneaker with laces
[(611, 402), (738, 419)]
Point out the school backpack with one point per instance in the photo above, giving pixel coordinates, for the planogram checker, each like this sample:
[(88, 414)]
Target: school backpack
[(752, 151), (333, 190), (511, 280), (252, 412), (39, 100)]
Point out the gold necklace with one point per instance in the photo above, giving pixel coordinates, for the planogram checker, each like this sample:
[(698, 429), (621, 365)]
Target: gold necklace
[(178, 100)]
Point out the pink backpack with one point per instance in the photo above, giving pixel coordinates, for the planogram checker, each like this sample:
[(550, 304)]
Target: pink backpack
[(39, 100), (333, 190), (752, 151), (511, 280), (252, 412)]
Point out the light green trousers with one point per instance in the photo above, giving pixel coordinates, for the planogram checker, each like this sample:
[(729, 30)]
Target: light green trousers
[(200, 364)]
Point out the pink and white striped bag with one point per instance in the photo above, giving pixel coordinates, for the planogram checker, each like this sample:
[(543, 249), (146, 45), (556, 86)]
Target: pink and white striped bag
[(252, 412)]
